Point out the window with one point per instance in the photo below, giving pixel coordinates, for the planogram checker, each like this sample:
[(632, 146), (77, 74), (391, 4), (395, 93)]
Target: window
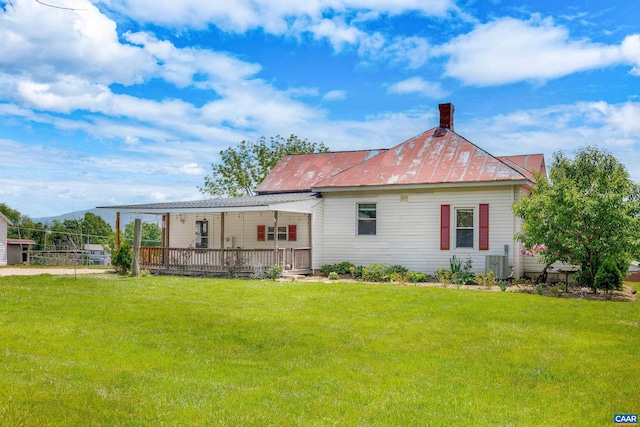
[(288, 232), (202, 234), (366, 219), (282, 233), (464, 227)]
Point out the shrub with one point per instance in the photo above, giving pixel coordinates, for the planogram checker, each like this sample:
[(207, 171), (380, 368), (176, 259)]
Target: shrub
[(608, 276), (275, 272), (398, 277), (333, 276), (465, 278), (397, 269), (487, 280), (356, 272), (376, 273), (444, 276), (123, 257), (340, 268), (415, 277), (459, 274)]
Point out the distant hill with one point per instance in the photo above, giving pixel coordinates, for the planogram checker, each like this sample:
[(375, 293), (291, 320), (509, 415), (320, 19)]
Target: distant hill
[(108, 216)]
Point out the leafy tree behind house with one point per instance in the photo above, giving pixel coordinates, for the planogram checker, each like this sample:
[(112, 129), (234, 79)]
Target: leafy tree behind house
[(243, 167), (151, 234), (74, 233), (23, 226), (587, 213)]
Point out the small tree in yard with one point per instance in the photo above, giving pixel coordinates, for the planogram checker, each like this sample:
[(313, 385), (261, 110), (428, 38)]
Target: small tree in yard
[(587, 213), (123, 257)]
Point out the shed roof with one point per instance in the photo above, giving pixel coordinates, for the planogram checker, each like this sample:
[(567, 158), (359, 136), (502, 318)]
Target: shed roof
[(300, 172), (20, 242)]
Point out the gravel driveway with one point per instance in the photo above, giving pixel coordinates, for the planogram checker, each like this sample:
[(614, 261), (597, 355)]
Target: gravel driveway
[(12, 271)]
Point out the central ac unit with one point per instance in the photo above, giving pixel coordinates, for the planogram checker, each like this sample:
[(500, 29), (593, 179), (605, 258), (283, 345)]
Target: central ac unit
[(499, 264)]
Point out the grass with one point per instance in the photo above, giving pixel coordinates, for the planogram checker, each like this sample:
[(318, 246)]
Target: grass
[(111, 350)]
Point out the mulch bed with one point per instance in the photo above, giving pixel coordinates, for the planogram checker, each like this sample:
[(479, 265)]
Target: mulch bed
[(626, 294)]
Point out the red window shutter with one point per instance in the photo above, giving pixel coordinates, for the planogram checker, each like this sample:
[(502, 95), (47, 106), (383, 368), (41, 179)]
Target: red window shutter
[(484, 227), (293, 233), (445, 227), (262, 233)]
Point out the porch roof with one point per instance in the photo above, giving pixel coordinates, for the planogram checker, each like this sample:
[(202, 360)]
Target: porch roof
[(294, 202)]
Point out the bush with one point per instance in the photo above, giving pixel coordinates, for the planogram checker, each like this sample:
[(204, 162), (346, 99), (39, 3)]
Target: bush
[(274, 272), (444, 276), (459, 274), (608, 276), (333, 276), (376, 273), (397, 269), (340, 268), (487, 280), (123, 257), (415, 277)]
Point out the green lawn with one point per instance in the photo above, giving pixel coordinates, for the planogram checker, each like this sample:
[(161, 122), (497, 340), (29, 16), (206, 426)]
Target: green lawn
[(110, 350)]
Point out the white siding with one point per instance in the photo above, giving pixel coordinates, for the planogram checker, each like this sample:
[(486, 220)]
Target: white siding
[(3, 242), (241, 226), (408, 227)]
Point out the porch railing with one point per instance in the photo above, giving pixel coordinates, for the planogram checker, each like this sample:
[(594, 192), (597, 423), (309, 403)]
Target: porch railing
[(224, 260)]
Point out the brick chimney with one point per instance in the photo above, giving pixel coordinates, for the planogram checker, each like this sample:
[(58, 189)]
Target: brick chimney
[(446, 116)]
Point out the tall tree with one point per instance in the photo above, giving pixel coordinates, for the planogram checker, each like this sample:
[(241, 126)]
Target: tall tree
[(587, 213), (23, 226), (243, 167), (91, 228)]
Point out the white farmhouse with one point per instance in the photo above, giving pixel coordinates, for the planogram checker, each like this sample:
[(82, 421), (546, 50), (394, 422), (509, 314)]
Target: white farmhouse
[(417, 204)]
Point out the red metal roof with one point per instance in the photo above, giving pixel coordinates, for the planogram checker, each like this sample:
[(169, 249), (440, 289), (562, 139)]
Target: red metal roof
[(436, 156), (300, 172), (528, 164)]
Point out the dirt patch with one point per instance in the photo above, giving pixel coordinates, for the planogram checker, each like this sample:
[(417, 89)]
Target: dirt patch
[(56, 271)]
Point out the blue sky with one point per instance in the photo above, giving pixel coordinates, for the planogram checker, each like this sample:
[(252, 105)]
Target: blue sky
[(123, 101)]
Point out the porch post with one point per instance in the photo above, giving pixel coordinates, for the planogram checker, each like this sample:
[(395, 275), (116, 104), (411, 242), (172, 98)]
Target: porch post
[(117, 230), (222, 215), (165, 239), (275, 237), (310, 222)]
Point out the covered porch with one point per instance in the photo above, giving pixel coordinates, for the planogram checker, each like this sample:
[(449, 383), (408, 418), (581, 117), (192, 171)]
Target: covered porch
[(228, 237), (231, 262)]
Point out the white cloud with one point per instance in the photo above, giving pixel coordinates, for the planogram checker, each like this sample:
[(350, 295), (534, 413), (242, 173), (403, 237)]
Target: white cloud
[(613, 127), (419, 86), (335, 95), (275, 17), (508, 50), (44, 42)]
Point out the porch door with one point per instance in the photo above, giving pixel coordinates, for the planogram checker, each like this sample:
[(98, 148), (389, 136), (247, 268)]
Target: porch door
[(202, 234)]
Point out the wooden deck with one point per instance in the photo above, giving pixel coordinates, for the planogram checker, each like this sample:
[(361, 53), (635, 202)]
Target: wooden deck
[(224, 261)]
